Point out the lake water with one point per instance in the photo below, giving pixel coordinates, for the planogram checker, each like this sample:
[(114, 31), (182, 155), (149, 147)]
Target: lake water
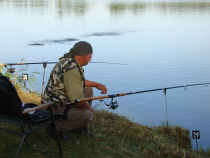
[(163, 43)]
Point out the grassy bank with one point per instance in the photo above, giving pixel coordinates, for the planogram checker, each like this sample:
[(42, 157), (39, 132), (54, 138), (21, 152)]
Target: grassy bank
[(115, 136)]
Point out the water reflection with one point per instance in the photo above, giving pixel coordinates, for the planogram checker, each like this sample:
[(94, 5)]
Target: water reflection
[(36, 44), (54, 41), (183, 7), (68, 40), (99, 34), (81, 7), (61, 7), (118, 8), (26, 3)]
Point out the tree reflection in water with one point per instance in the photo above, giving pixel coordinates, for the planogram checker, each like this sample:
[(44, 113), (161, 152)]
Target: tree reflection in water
[(81, 7)]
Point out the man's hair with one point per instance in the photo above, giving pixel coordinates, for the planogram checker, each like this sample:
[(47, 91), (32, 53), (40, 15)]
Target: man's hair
[(81, 48)]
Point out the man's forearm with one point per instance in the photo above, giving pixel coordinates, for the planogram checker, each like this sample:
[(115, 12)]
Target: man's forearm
[(91, 83), (97, 85)]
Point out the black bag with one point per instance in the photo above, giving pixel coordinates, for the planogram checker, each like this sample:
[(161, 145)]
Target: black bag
[(10, 103)]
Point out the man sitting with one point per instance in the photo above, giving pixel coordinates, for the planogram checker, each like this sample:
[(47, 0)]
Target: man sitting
[(67, 83)]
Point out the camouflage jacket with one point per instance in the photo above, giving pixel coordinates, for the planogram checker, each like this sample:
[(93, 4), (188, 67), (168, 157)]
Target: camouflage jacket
[(55, 90)]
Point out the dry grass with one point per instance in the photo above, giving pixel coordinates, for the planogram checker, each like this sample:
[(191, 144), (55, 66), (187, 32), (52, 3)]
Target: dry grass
[(27, 97)]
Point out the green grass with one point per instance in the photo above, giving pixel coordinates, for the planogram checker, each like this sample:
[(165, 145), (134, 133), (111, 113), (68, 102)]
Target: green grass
[(115, 136)]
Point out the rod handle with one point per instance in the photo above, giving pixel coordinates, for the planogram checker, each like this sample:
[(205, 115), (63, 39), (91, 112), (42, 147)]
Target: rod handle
[(42, 106)]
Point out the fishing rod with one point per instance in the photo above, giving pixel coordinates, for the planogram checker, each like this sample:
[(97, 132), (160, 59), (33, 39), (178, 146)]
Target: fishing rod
[(44, 64), (53, 62), (114, 104)]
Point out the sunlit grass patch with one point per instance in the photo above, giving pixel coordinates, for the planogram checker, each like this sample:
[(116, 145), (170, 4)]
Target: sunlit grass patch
[(28, 97)]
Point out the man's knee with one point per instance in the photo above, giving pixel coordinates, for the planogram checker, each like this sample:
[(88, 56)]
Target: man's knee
[(76, 118), (77, 115)]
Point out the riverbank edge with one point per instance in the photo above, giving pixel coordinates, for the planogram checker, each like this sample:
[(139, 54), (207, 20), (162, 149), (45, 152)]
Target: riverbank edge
[(114, 136)]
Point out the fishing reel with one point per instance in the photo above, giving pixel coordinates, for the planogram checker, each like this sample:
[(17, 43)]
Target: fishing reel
[(113, 104)]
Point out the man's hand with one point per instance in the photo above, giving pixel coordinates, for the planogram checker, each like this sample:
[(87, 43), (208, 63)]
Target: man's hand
[(102, 88)]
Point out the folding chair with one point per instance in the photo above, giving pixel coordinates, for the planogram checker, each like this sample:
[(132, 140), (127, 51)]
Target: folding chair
[(12, 112)]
